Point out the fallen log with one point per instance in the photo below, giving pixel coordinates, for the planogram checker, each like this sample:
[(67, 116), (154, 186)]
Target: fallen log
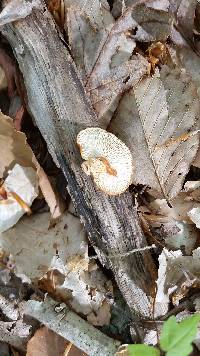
[(57, 101)]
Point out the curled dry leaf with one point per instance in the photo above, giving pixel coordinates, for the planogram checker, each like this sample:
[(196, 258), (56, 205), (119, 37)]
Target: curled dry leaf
[(194, 215), (14, 149), (54, 201), (103, 51), (172, 224), (160, 127), (177, 235), (177, 274), (107, 159), (82, 285), (21, 187)]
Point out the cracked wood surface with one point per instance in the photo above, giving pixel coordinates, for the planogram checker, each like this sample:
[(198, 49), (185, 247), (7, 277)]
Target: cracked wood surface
[(57, 101)]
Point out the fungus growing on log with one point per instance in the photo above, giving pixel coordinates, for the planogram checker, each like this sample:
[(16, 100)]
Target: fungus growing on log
[(107, 159)]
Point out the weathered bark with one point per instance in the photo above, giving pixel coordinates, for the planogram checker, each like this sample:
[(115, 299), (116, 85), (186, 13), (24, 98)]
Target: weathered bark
[(70, 326), (57, 101)]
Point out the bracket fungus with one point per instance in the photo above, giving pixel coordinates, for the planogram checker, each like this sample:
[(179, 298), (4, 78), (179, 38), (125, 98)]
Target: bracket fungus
[(107, 159)]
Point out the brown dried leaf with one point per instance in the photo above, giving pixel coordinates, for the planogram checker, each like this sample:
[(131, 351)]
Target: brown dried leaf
[(21, 188), (54, 201), (14, 149), (102, 317), (104, 53), (46, 343), (157, 121)]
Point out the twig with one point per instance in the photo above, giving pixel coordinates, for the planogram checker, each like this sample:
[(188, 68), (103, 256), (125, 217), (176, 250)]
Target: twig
[(73, 328)]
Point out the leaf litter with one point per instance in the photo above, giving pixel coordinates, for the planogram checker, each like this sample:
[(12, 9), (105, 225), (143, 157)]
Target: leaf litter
[(139, 62)]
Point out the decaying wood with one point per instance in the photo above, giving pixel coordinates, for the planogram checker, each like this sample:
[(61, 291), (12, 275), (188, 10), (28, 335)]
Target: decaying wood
[(57, 101), (70, 326)]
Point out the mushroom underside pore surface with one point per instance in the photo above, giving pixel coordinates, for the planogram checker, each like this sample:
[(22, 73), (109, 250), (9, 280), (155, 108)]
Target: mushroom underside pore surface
[(107, 159)]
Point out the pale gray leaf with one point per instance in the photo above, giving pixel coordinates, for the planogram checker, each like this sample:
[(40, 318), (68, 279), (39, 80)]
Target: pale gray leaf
[(18, 9), (103, 51), (119, 6), (102, 55), (98, 11), (16, 333), (184, 12), (152, 24), (183, 55), (33, 234), (87, 36), (156, 120)]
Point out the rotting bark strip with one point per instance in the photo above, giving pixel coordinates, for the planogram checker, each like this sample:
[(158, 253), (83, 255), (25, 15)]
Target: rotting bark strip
[(60, 107)]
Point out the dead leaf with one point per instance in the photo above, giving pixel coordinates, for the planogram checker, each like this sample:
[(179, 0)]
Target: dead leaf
[(177, 274), (119, 6), (81, 285), (84, 290), (19, 117), (15, 333), (194, 215), (54, 201), (47, 343), (17, 10), (176, 212), (151, 120), (104, 52), (153, 24), (183, 55), (184, 12), (14, 149), (21, 187), (67, 238), (102, 317)]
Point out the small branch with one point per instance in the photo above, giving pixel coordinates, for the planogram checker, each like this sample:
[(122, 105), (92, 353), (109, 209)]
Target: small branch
[(72, 327)]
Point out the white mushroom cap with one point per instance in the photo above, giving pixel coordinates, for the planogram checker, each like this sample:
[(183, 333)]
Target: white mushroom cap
[(108, 160)]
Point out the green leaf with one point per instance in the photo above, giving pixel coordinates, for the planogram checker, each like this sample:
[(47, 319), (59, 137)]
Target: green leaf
[(176, 338), (142, 350)]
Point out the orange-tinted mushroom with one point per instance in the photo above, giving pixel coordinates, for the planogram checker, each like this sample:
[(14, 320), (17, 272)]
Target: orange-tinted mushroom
[(107, 159)]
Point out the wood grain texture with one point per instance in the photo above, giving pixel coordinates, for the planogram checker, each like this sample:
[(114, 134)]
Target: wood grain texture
[(57, 101)]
